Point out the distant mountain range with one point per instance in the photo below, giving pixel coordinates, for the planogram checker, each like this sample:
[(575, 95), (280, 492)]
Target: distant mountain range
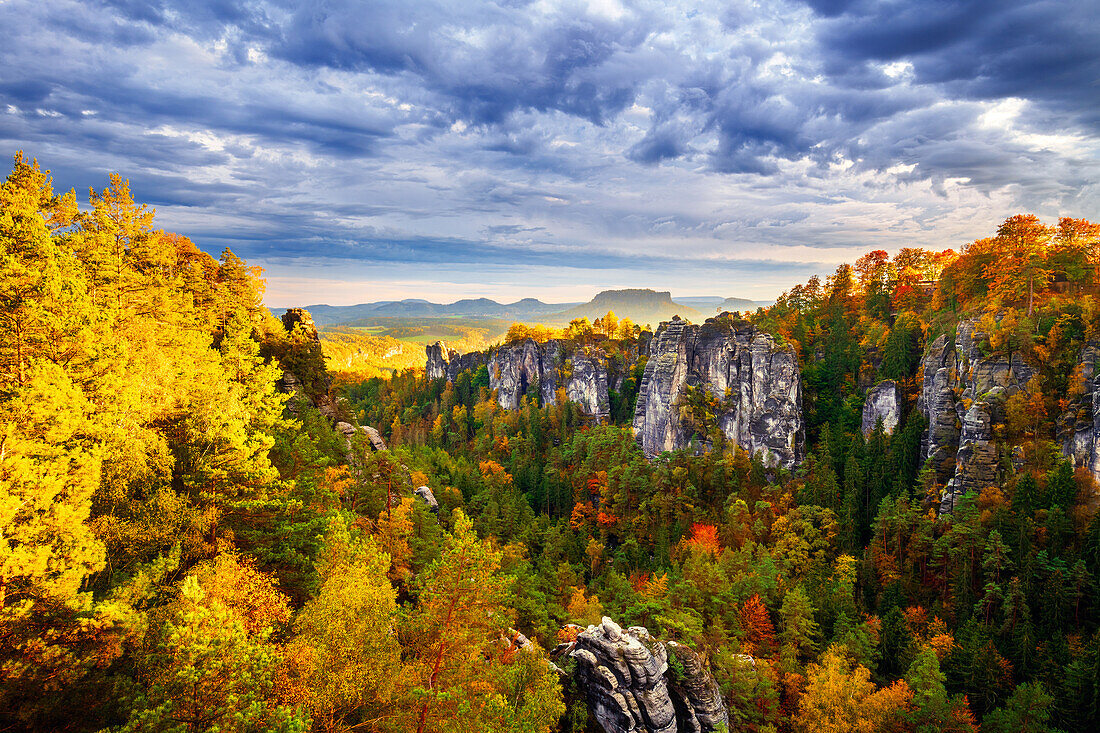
[(526, 309), (639, 305), (737, 304)]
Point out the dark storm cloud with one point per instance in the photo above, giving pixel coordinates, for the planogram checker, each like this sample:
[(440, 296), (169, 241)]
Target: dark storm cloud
[(987, 49), (486, 61), (603, 133)]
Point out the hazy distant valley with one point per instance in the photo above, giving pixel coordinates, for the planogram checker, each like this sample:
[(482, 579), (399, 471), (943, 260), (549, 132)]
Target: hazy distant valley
[(639, 305), (381, 338)]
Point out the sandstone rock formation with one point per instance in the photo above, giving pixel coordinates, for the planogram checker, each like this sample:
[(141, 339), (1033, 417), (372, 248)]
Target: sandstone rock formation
[(630, 688), (308, 357), (882, 403), (1081, 424), (373, 437), (757, 383), (529, 368), (444, 363), (425, 495), (962, 395)]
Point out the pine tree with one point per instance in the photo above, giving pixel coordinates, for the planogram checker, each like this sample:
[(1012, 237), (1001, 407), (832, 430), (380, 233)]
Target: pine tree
[(1027, 711), (799, 631), (456, 674)]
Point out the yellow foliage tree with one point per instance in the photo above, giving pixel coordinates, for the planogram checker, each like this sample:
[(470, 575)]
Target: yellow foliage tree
[(841, 699)]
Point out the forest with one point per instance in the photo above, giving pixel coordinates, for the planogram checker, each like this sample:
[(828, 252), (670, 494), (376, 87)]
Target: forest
[(188, 544)]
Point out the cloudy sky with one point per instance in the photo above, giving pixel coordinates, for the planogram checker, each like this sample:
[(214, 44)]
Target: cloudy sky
[(362, 151)]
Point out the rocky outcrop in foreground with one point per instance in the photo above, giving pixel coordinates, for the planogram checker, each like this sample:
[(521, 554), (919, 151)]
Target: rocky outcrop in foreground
[(528, 368), (757, 383), (882, 403), (962, 395), (630, 686)]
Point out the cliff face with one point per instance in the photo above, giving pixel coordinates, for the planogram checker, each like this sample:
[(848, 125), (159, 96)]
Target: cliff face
[(517, 369), (962, 395), (444, 363), (626, 680), (881, 403), (1081, 423), (757, 383)]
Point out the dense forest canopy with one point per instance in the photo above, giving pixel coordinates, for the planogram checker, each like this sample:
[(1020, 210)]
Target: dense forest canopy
[(192, 542)]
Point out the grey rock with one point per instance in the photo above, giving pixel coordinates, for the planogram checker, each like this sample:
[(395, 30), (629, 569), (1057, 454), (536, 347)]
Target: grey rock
[(528, 368), (757, 383), (439, 357), (1080, 425), (962, 396), (425, 494), (977, 457), (882, 403), (587, 383), (937, 403), (444, 363), (697, 698), (288, 383), (513, 368), (624, 676), (374, 437)]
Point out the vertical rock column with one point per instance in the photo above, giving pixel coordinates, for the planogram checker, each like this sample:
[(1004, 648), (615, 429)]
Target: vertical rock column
[(757, 384)]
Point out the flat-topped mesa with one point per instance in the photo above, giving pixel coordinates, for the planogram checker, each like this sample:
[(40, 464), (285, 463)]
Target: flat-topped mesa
[(757, 383), (963, 394), (528, 368), (625, 678)]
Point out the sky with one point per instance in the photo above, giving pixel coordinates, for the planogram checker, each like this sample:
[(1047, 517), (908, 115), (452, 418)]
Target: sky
[(363, 151)]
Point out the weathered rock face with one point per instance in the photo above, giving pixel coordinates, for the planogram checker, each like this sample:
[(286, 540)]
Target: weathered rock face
[(1081, 424), (937, 402), (696, 695), (372, 436), (881, 403), (444, 363), (962, 395), (527, 367), (626, 679), (513, 369), (438, 359), (425, 494), (757, 383)]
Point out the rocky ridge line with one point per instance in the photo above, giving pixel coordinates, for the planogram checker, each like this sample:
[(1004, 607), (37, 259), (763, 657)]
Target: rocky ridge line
[(527, 368)]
